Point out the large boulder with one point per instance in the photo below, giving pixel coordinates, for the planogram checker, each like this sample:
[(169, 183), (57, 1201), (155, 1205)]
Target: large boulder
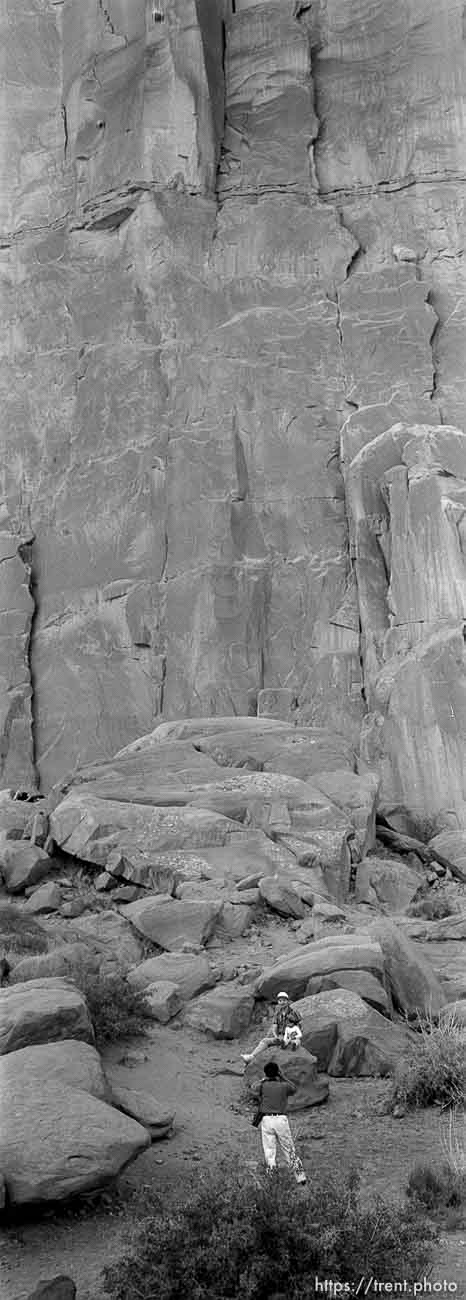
[(47, 898), (300, 1068), (451, 845), (22, 864), (348, 1037), (325, 956), (170, 922), (92, 828), (144, 1108), (224, 1012), (413, 984), (361, 982), (110, 935), (191, 973), (387, 883), (42, 1011), (280, 896), (451, 928), (58, 1136)]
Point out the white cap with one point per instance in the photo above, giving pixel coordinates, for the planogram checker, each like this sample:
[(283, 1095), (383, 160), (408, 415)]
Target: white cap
[(282, 995)]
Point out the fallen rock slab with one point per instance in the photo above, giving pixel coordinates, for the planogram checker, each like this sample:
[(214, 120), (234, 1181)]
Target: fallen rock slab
[(144, 1108), (361, 982), (413, 985), (42, 1011), (191, 973), (387, 883), (22, 864), (300, 1068), (92, 828), (170, 922), (323, 957), (348, 1037), (280, 896), (221, 1013), (111, 935), (47, 898)]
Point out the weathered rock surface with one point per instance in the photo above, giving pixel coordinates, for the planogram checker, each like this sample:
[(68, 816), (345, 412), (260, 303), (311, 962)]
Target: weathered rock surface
[(280, 896), (361, 982), (387, 883), (171, 922), (350, 1038), (189, 328), (47, 898), (191, 973), (224, 1012), (163, 1000), (300, 1067), (22, 864), (411, 979), (20, 933), (110, 935), (58, 1136), (325, 956), (144, 1108), (42, 1011)]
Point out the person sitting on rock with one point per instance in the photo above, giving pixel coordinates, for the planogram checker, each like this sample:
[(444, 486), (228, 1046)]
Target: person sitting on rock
[(272, 1095), (285, 1030)]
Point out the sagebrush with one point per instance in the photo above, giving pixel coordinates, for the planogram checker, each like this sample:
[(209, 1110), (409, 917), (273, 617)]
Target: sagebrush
[(116, 1009), (20, 933), (246, 1237), (437, 1188), (436, 1074)]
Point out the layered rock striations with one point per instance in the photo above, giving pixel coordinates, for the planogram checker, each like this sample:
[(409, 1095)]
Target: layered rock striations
[(231, 261)]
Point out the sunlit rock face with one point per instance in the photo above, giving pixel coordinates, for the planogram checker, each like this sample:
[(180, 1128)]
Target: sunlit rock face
[(230, 261)]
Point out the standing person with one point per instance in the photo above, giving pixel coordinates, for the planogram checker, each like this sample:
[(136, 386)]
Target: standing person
[(285, 1030), (272, 1094)]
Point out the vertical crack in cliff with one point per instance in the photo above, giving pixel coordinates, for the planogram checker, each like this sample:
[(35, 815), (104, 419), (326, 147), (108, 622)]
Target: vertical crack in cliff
[(25, 551), (433, 341), (65, 131)]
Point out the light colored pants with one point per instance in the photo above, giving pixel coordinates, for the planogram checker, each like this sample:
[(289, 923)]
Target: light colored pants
[(293, 1034), (275, 1128)]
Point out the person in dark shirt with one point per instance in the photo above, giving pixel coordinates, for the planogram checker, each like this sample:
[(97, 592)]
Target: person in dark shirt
[(272, 1094), (285, 1030)]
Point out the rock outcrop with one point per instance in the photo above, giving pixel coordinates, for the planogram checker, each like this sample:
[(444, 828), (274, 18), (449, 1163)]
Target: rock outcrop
[(229, 267)]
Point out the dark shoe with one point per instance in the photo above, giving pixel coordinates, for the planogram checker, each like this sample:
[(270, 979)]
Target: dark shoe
[(294, 1047)]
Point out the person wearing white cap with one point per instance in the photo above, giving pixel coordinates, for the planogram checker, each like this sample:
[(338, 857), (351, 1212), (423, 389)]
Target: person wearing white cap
[(285, 1030)]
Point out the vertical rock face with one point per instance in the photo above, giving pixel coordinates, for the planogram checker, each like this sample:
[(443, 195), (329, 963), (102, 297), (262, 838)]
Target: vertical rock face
[(230, 262)]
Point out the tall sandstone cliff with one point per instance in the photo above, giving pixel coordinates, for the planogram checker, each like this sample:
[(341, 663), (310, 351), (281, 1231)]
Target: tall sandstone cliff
[(232, 377)]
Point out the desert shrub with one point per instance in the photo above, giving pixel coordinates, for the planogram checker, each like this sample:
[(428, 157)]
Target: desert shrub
[(20, 933), (116, 1009), (436, 1074), (434, 907), (437, 1188), (251, 1238)]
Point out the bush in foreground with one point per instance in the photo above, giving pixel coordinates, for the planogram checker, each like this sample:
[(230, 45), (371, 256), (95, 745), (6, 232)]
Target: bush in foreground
[(117, 1011), (247, 1238), (436, 1189), (436, 1075), (19, 933)]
